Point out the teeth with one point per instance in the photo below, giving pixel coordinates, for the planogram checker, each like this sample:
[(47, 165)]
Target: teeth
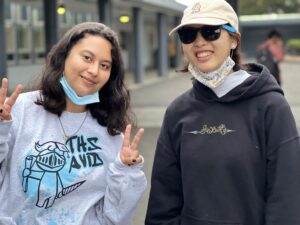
[(203, 54)]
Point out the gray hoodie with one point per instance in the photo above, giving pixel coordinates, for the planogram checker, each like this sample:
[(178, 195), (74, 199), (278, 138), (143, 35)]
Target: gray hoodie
[(46, 180)]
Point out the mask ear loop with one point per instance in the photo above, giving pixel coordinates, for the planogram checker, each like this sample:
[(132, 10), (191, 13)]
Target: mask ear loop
[(231, 53)]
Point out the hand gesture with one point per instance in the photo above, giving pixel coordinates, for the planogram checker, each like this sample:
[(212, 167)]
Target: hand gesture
[(129, 153), (5, 102)]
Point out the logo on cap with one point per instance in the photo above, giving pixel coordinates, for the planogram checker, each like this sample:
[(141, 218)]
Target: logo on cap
[(196, 8)]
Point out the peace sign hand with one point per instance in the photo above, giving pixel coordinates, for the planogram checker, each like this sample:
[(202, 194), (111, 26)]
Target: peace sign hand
[(129, 153), (7, 103)]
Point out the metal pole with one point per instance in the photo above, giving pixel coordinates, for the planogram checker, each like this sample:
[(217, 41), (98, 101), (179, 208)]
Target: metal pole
[(178, 46), (51, 23), (104, 11), (162, 45), (2, 42), (138, 44)]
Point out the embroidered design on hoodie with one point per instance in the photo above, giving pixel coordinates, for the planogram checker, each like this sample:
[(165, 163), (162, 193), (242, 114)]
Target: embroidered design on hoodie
[(49, 175), (209, 130)]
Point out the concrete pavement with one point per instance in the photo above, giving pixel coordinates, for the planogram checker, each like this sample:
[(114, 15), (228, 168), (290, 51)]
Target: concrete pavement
[(149, 104), (291, 87)]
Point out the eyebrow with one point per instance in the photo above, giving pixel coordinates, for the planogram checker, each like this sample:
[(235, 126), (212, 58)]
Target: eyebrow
[(90, 52)]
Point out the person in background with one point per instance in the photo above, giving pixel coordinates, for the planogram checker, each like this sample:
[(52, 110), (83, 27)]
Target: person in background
[(65, 151), (271, 53), (228, 151)]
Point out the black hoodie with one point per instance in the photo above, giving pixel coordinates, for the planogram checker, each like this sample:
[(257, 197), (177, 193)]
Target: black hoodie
[(233, 160)]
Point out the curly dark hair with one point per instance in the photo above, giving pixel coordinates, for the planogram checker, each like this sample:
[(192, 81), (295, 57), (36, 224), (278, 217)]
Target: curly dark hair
[(114, 109)]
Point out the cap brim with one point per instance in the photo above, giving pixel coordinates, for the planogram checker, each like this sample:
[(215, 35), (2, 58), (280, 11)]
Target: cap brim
[(200, 21)]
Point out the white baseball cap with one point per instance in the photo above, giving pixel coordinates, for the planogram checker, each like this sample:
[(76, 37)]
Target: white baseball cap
[(209, 12)]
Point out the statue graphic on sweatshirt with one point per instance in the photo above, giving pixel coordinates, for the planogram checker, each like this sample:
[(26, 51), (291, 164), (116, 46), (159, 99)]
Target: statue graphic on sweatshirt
[(44, 168)]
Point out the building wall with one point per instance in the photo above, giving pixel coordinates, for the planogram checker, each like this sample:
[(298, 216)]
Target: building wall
[(25, 38)]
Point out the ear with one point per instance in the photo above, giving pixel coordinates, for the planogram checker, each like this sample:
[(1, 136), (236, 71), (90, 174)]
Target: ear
[(234, 43), (235, 40)]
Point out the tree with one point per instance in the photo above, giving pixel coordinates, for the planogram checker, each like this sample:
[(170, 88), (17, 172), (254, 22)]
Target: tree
[(251, 7)]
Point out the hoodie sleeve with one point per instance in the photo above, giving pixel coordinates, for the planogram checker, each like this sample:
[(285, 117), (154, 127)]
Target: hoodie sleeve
[(125, 187), (7, 221), (4, 138), (8, 129), (283, 168), (166, 198)]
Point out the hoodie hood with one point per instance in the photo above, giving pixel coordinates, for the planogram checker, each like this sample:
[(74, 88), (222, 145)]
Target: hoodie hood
[(260, 82)]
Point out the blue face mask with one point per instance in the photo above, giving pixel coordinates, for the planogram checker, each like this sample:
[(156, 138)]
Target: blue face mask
[(88, 99)]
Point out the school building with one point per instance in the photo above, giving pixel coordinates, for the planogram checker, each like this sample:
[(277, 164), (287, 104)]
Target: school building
[(29, 28)]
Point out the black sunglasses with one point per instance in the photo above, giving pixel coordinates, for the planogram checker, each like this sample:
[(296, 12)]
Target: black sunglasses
[(187, 35)]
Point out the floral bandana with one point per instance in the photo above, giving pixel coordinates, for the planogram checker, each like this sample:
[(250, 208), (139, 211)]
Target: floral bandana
[(215, 78)]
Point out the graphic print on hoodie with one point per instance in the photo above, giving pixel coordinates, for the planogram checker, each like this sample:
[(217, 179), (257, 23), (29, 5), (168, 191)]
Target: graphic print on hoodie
[(52, 169)]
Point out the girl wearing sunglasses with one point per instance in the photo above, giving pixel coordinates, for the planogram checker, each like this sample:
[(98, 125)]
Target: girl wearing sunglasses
[(228, 151)]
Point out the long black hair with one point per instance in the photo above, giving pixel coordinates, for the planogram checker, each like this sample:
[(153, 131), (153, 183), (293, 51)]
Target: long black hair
[(114, 109)]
